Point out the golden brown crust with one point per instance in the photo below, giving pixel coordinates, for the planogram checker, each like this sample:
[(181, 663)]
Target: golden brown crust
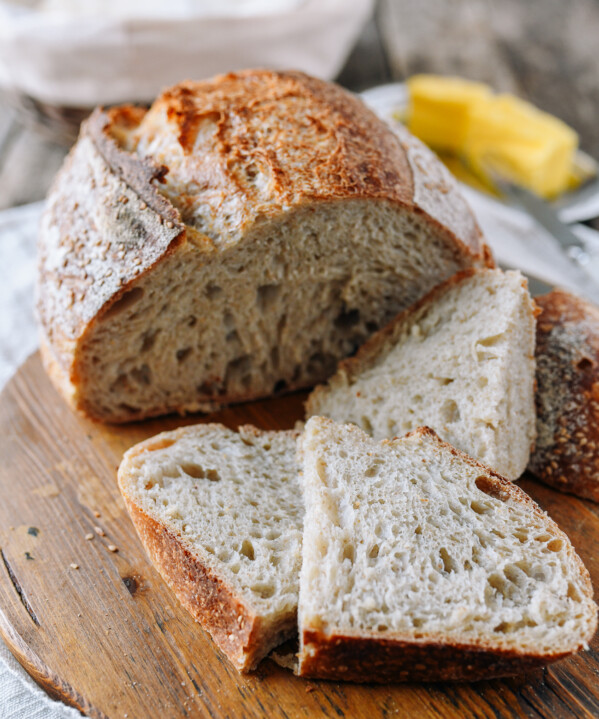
[(107, 224), (232, 625), (566, 455)]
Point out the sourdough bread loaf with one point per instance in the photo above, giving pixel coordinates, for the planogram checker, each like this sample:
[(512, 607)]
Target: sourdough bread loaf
[(460, 361), (566, 454), (235, 241), (220, 516), (421, 564)]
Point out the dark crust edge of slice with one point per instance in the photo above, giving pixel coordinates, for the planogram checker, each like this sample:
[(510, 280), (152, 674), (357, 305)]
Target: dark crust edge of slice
[(379, 660)]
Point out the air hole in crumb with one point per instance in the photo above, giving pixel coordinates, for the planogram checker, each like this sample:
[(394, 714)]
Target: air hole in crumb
[(448, 563), (449, 412), (372, 471), (148, 340), (347, 319), (193, 470), (556, 545), (213, 291), (349, 552), (573, 593), (584, 364), (264, 590), (491, 487), (418, 530), (129, 408), (499, 584), (142, 375), (502, 628), (444, 381), (266, 296), (280, 386), (374, 552), (183, 354), (247, 549), (321, 363), (126, 301), (366, 424), (382, 627)]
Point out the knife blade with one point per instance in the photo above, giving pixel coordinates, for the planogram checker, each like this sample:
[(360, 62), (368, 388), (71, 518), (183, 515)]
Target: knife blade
[(573, 250)]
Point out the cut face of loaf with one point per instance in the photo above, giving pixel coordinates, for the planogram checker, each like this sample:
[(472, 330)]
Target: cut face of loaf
[(236, 241), (220, 516), (421, 564), (461, 361)]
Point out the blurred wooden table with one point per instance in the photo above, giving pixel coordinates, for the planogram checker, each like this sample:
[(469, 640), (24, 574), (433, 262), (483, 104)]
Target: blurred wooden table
[(544, 50)]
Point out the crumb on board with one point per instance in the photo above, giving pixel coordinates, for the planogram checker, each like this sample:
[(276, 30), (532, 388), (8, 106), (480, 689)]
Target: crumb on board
[(74, 566), (112, 548), (99, 531), (89, 536)]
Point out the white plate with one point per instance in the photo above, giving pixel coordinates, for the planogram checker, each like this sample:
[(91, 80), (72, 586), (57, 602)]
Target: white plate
[(577, 206)]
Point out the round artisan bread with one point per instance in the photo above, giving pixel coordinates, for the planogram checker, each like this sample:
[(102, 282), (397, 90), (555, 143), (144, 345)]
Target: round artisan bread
[(236, 241), (566, 455)]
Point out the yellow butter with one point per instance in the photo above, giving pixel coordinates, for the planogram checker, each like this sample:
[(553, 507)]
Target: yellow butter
[(529, 146), (439, 109)]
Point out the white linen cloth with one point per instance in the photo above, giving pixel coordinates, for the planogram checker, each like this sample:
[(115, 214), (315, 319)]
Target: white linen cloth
[(513, 236), (128, 51)]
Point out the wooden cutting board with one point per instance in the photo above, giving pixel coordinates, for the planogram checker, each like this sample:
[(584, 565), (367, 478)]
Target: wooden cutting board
[(99, 629)]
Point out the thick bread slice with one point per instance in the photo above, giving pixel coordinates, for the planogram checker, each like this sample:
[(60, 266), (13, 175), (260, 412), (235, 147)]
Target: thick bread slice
[(460, 361), (236, 241), (420, 563), (566, 453), (220, 516)]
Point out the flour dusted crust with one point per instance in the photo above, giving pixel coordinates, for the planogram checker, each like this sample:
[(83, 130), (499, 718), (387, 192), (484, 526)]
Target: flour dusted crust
[(198, 177), (104, 226), (566, 455)]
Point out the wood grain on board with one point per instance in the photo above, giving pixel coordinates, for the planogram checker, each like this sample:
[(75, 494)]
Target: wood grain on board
[(99, 629)]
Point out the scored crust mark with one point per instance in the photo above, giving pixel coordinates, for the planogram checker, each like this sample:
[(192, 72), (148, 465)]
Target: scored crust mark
[(139, 173), (566, 455), (97, 237)]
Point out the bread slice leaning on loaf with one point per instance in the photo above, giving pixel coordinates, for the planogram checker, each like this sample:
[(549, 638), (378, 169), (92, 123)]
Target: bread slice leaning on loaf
[(234, 241), (220, 516), (460, 361), (566, 453), (421, 564)]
